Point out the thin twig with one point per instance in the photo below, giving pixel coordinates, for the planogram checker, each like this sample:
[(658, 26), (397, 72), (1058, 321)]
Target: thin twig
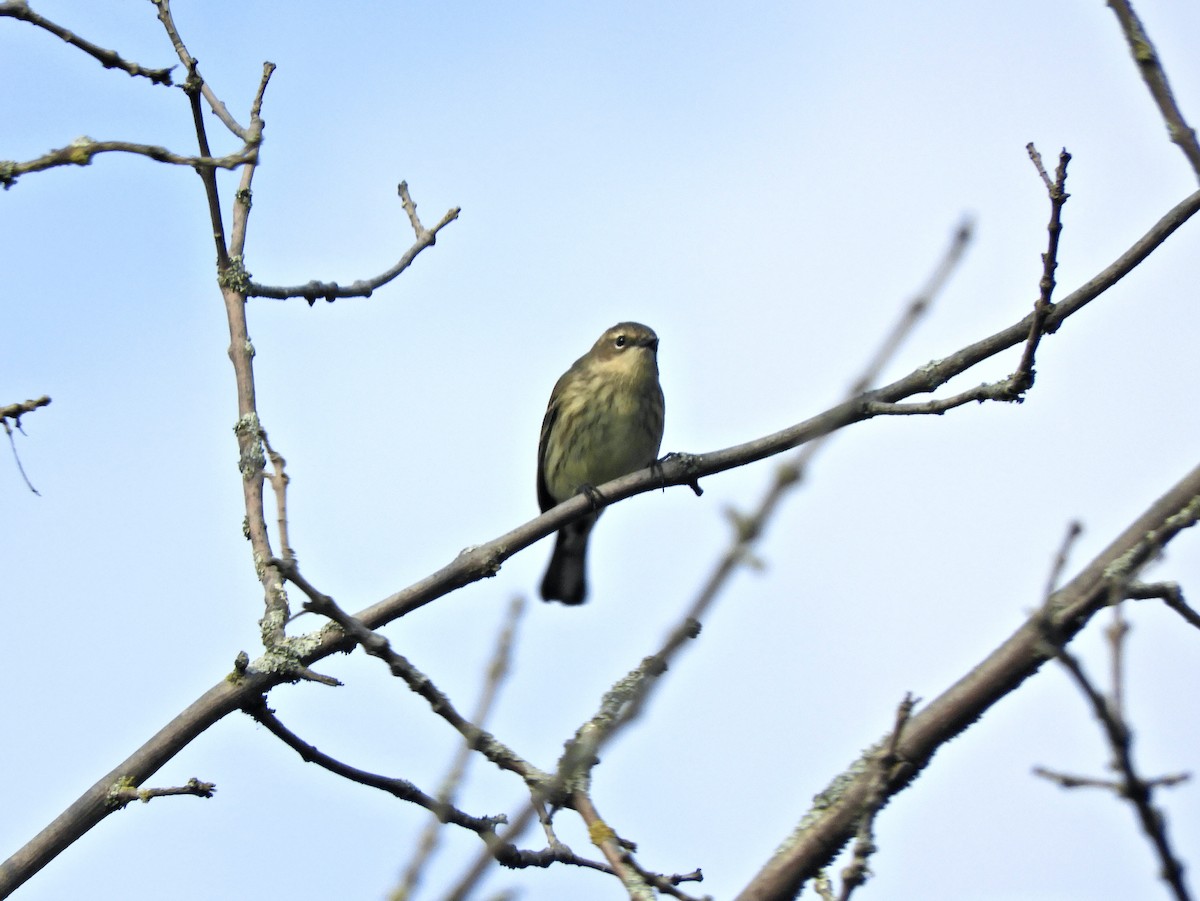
[(1074, 530), (15, 412), (279, 482), (604, 838), (331, 291), (124, 792), (1168, 592), (1137, 791), (1069, 780), (400, 788), (1023, 378)]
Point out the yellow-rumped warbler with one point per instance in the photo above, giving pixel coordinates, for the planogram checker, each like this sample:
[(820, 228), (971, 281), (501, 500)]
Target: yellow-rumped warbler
[(604, 420)]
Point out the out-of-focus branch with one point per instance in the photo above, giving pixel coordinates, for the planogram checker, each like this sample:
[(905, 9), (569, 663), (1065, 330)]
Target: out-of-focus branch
[(279, 482), (110, 59), (1169, 593), (17, 410), (497, 671), (331, 291), (856, 873), (1146, 58)]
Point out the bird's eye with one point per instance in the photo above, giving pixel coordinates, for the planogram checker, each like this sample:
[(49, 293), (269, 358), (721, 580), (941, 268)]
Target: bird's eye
[(619, 341)]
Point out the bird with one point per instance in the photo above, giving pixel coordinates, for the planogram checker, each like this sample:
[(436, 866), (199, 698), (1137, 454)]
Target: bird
[(604, 420)]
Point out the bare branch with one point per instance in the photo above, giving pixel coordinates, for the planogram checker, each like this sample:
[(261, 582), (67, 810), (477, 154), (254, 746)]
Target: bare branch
[(400, 788), (189, 64), (1168, 592), (1005, 391), (1067, 780), (378, 646), (81, 151), (624, 701), (331, 291), (110, 59), (1132, 787), (610, 845), (1146, 58), (17, 410), (279, 482), (1074, 530), (124, 791), (1023, 378)]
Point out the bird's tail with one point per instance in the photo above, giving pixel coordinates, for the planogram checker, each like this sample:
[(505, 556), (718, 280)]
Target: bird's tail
[(566, 578)]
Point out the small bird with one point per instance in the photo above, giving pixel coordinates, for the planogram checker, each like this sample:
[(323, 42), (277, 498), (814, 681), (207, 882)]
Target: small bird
[(604, 420)]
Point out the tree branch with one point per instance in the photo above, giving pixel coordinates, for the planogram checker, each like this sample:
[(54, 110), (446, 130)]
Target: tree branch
[(81, 151), (110, 59), (400, 788), (123, 792), (17, 410), (1132, 787), (1146, 58), (331, 291)]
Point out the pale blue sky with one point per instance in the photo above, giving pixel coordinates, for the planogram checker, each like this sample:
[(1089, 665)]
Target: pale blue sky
[(765, 186)]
